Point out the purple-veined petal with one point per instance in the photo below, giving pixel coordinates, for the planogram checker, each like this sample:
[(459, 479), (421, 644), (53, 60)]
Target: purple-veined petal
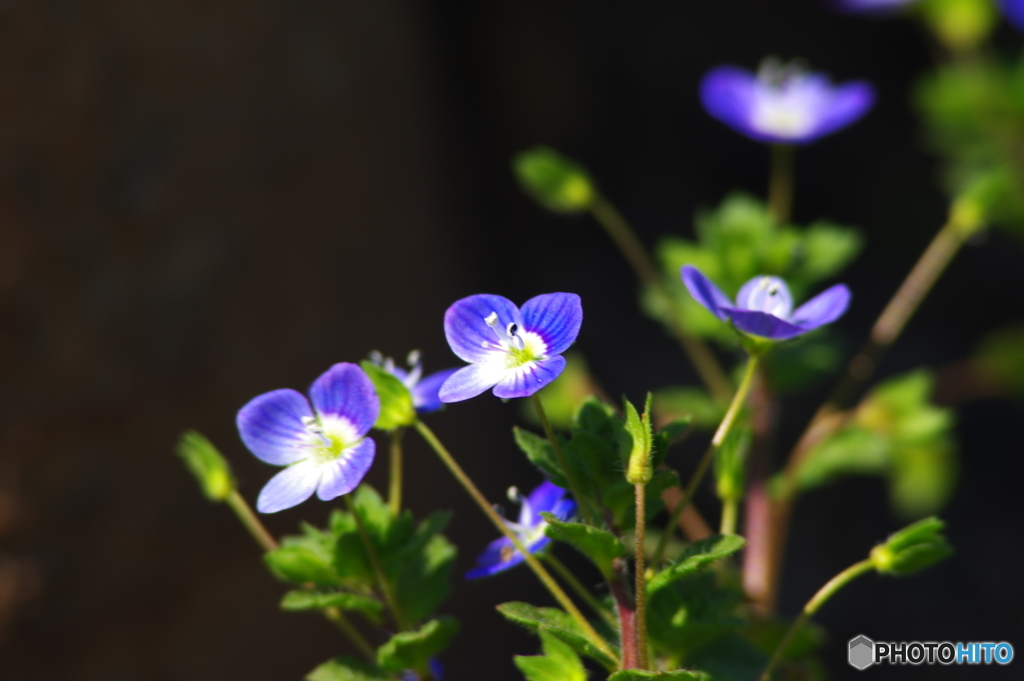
[(544, 498), (826, 307), (526, 380), (469, 336), (704, 291), (845, 105), (556, 318), (289, 488), (728, 94), (766, 294), (493, 559), (271, 426), (425, 396), (344, 474), (470, 381), (345, 390), (1013, 10), (763, 324)]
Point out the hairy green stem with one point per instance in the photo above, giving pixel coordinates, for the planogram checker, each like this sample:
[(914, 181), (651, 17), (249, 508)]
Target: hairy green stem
[(382, 580), (640, 588), (542, 574), (395, 482), (703, 360), (569, 578), (817, 600), (723, 431), (570, 476)]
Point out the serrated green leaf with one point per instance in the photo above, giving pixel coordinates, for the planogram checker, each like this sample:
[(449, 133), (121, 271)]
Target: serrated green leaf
[(643, 675), (396, 410), (207, 464), (347, 669), (413, 649), (601, 546), (555, 181), (693, 611), (558, 663), (425, 578), (697, 556), (559, 624), (313, 600), (538, 450), (305, 559)]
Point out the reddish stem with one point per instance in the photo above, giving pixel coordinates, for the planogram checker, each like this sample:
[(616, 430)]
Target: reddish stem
[(627, 615)]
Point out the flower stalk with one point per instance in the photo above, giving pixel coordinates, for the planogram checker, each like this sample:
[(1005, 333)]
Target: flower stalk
[(780, 182), (640, 587), (570, 476), (395, 472), (382, 580)]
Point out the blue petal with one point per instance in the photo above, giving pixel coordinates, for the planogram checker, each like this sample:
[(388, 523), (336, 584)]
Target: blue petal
[(824, 308), (564, 509), (544, 498), (705, 292), (344, 474), (468, 334), (556, 318), (271, 426), (529, 378), (1013, 10), (289, 488), (345, 390), (425, 393), (728, 93), (491, 560), (472, 380), (846, 104), (763, 324)]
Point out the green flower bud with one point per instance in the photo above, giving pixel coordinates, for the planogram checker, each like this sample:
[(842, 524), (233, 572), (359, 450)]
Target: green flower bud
[(207, 464), (554, 181), (912, 549)]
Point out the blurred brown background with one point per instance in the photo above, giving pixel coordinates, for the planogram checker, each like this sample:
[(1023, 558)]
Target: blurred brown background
[(202, 201)]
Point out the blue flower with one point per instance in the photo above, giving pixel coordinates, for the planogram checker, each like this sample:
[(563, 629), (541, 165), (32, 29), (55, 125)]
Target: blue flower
[(436, 671), (871, 6), (783, 104), (423, 389), (1013, 10), (516, 352), (501, 554), (323, 446), (764, 306)]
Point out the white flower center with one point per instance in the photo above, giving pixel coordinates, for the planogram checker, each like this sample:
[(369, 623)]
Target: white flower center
[(521, 346), (329, 437)]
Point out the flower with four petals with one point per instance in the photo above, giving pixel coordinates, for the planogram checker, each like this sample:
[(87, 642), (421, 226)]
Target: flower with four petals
[(501, 554), (516, 352), (322, 440), (764, 306)]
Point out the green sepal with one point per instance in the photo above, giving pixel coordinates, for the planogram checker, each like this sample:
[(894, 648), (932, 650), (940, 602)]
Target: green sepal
[(912, 549), (644, 675), (638, 467), (305, 559), (559, 624), (558, 663), (299, 600), (601, 546), (396, 410), (697, 556), (553, 180), (413, 649), (348, 669), (207, 464)]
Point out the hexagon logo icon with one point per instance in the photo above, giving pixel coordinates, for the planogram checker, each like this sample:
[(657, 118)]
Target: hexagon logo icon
[(862, 652)]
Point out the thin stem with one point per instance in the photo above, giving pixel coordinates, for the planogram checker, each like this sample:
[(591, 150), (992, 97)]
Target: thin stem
[(545, 577), (338, 619), (640, 587), (703, 360), (780, 183), (723, 431), (569, 578), (395, 483), (730, 515), (371, 552), (817, 600), (626, 608), (251, 522), (569, 475)]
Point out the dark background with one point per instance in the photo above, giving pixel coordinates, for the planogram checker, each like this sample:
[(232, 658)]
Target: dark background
[(203, 201)]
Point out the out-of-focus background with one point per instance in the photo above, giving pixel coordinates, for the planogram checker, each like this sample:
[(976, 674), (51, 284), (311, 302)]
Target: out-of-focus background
[(202, 201)]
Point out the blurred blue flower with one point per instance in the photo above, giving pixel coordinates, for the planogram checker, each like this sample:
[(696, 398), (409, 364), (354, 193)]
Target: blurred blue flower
[(764, 306), (871, 6), (783, 104), (436, 671), (1013, 10), (501, 554), (424, 389), (323, 445), (516, 352)]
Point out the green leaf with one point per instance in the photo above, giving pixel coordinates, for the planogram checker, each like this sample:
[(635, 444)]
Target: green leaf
[(425, 579), (347, 669), (558, 663), (396, 410), (313, 600), (600, 546), (413, 649), (827, 249), (693, 611), (559, 624), (697, 556), (538, 450), (306, 559), (912, 549), (693, 404), (643, 675), (207, 465), (553, 180)]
